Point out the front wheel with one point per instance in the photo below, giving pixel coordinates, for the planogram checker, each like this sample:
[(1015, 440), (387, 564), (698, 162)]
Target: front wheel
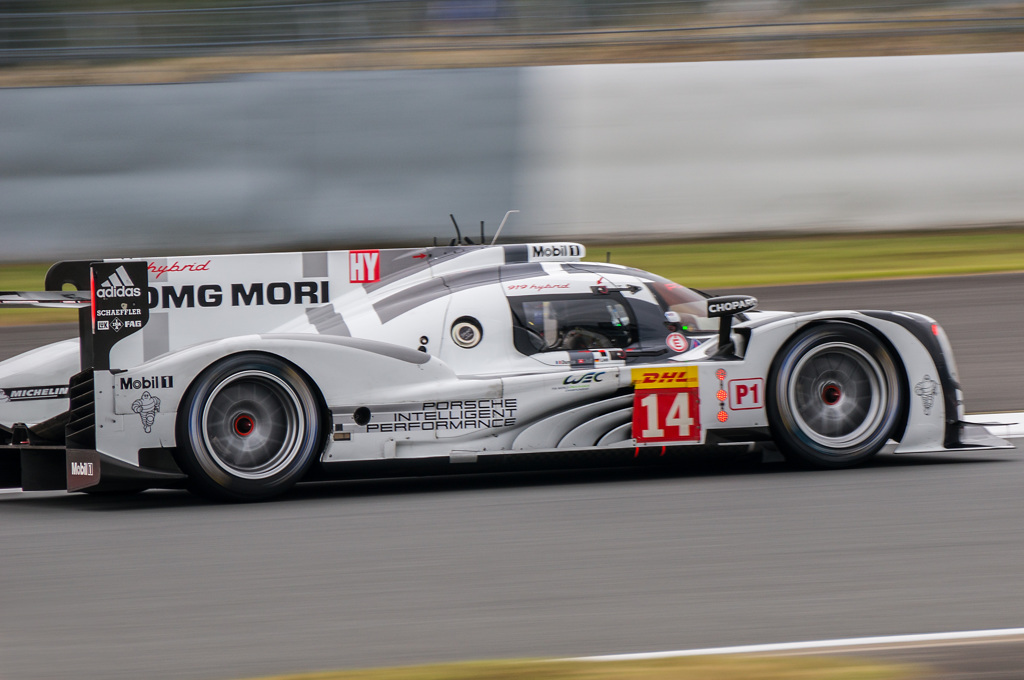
[(248, 429), (835, 396)]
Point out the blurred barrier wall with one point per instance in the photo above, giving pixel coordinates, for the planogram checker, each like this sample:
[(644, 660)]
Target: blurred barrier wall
[(33, 31), (258, 161), (746, 146), (584, 151)]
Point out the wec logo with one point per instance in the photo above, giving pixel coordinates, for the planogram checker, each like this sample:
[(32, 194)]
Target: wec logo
[(592, 377)]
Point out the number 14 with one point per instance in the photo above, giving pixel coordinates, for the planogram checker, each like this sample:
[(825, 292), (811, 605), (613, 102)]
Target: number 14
[(666, 415)]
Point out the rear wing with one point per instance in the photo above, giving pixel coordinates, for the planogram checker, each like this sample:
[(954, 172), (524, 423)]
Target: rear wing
[(110, 298), (73, 272), (48, 299)]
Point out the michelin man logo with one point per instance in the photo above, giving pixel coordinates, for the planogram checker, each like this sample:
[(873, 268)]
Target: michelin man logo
[(3, 396), (927, 389), (147, 407)]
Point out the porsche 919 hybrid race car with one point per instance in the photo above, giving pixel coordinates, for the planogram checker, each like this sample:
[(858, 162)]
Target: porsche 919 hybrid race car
[(237, 376)]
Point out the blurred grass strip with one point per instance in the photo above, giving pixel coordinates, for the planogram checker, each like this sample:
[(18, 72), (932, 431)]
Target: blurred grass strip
[(801, 259), (685, 668)]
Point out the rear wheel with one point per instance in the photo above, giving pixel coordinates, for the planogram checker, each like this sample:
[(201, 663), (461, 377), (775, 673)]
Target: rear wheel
[(248, 429), (835, 396)]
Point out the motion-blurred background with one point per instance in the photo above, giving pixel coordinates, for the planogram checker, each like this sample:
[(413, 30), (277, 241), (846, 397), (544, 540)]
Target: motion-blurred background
[(150, 126)]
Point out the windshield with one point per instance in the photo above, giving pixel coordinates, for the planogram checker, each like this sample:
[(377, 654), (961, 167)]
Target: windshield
[(690, 305)]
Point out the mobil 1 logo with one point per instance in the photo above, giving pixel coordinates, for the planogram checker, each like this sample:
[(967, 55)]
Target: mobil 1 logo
[(119, 305)]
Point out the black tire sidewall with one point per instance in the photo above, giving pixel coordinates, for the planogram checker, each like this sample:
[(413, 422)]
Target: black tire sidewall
[(205, 476), (794, 443)]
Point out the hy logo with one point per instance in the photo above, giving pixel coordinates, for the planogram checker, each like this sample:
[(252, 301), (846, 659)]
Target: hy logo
[(118, 285), (363, 266)]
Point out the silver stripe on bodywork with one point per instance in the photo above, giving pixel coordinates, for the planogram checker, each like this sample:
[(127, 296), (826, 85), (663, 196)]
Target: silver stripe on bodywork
[(156, 338), (384, 349), (593, 431), (314, 265), (327, 321), (619, 435), (550, 432)]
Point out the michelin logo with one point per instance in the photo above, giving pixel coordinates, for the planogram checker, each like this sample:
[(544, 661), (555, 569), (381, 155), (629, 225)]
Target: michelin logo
[(147, 406), (8, 394), (118, 285), (927, 389)]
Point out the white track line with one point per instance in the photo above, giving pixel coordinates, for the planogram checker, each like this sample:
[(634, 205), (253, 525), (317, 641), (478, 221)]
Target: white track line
[(1000, 424), (814, 644)]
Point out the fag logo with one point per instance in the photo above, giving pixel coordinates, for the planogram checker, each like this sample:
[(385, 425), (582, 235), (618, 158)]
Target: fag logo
[(653, 378), (363, 266), (118, 285)]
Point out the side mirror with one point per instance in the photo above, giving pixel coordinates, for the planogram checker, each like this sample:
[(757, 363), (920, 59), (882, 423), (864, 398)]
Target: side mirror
[(725, 307)]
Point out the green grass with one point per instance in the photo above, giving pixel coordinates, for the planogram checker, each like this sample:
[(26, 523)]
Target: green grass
[(736, 262), (750, 262), (685, 668)]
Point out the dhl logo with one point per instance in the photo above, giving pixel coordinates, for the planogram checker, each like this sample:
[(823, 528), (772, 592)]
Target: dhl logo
[(652, 378)]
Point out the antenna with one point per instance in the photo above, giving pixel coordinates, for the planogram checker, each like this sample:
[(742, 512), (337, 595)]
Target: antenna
[(458, 234), (501, 226), (482, 232)]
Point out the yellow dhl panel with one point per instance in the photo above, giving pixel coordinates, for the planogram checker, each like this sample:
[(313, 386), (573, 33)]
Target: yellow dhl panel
[(660, 378)]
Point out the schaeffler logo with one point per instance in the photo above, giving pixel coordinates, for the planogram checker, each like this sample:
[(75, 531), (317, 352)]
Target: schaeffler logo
[(119, 285), (363, 266)]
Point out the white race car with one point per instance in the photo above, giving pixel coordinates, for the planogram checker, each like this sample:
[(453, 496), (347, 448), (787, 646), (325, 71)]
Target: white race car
[(237, 376)]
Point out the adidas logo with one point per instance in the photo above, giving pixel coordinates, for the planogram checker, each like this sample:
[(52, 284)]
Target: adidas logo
[(118, 285)]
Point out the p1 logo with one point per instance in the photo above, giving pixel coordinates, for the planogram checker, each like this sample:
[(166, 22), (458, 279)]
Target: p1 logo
[(746, 394)]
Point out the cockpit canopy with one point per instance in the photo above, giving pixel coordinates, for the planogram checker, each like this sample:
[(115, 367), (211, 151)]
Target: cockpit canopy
[(605, 307)]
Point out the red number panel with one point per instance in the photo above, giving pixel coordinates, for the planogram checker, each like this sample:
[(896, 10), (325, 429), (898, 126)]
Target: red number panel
[(666, 415)]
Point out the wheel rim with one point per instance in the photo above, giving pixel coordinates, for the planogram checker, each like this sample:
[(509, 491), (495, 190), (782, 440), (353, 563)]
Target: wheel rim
[(252, 424), (838, 395)]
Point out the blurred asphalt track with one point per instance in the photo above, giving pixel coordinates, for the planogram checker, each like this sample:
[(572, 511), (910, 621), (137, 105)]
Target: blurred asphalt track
[(388, 572)]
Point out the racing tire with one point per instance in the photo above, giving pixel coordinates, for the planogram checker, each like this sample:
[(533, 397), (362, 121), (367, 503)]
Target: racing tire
[(248, 429), (835, 396)]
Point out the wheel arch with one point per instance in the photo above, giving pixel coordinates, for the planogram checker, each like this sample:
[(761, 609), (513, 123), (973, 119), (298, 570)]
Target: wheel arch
[(322, 410), (904, 414), (788, 428), (304, 407)]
